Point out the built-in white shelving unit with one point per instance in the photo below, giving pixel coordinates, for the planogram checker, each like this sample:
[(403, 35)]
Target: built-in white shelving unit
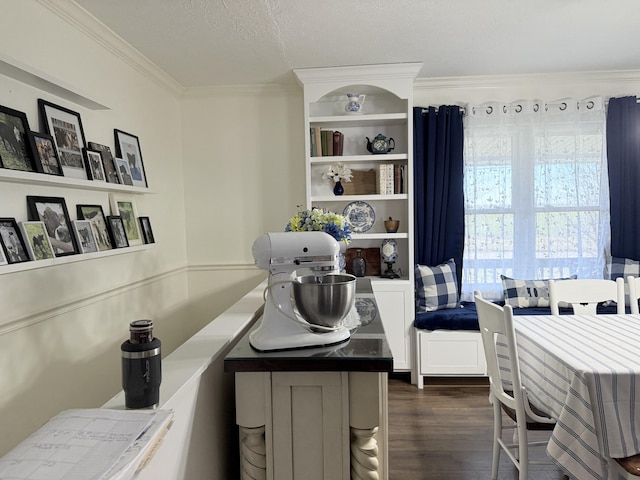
[(387, 110)]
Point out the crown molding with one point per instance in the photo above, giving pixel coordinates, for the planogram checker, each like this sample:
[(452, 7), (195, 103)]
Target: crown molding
[(83, 21), (506, 81), (272, 89)]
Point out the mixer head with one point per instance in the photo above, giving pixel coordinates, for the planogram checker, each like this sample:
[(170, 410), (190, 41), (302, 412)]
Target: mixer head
[(282, 252)]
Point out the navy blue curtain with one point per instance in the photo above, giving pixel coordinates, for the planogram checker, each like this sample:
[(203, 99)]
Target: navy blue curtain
[(623, 159), (438, 175)]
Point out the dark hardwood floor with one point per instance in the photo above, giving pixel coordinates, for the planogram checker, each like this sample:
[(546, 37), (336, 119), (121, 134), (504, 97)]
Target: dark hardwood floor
[(444, 432)]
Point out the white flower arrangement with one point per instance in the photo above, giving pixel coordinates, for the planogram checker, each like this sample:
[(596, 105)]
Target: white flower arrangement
[(338, 172)]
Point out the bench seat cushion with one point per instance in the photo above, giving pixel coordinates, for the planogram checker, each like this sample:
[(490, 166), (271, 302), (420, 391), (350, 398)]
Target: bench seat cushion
[(465, 317)]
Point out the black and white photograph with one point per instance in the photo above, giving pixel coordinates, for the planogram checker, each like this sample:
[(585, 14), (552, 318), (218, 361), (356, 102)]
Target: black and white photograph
[(46, 155), (128, 148), (53, 212), (84, 234), (95, 215), (93, 160), (147, 232), (118, 235), (124, 174), (37, 240), (108, 162), (16, 146), (3, 258), (125, 207), (12, 242), (65, 126)]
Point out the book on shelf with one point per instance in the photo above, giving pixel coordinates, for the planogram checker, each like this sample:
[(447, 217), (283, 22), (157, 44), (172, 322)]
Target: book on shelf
[(338, 143), (386, 181)]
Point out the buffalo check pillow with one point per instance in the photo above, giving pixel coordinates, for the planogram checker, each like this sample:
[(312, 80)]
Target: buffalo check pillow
[(436, 287), (527, 293), (623, 267)]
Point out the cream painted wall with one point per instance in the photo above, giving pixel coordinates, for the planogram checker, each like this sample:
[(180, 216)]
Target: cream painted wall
[(61, 326), (225, 165)]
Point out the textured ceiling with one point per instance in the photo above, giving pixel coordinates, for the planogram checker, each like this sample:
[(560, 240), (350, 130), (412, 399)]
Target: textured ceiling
[(226, 42)]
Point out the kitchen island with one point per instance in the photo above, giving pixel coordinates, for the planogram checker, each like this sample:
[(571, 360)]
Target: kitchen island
[(316, 413)]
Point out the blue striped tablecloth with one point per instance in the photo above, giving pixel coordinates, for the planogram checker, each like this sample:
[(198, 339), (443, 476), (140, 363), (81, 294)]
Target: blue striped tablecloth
[(585, 371)]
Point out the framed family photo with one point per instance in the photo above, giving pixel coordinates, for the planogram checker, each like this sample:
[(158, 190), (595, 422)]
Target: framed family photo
[(125, 207), (118, 235), (65, 126), (16, 145), (37, 240), (46, 156), (12, 242), (95, 215), (124, 174), (93, 161), (128, 149), (84, 234), (53, 212), (3, 258), (108, 162), (147, 233)]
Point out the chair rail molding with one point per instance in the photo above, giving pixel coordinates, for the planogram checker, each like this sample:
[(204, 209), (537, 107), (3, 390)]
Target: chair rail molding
[(83, 302)]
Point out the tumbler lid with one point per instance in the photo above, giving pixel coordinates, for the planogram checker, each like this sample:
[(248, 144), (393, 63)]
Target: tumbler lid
[(140, 325), (141, 331)]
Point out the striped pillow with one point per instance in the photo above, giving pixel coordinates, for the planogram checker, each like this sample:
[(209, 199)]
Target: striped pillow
[(436, 287)]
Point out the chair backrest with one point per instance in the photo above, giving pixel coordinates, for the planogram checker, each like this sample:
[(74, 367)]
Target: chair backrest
[(633, 285), (496, 324), (583, 295)]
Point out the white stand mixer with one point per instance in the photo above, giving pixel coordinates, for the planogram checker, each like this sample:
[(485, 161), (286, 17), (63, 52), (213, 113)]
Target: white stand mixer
[(283, 253)]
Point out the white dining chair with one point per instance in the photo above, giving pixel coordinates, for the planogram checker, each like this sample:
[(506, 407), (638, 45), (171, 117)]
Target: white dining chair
[(584, 295), (633, 285), (508, 393)]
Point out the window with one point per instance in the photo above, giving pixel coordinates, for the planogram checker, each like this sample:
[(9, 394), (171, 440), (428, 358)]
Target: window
[(536, 194)]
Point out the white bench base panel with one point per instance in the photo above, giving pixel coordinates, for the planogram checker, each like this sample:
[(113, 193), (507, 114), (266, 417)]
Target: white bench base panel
[(450, 353)]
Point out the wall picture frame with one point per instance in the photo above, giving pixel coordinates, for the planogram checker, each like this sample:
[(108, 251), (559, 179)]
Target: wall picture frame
[(147, 232), (37, 240), (93, 162), (128, 148), (95, 215), (65, 126), (123, 172), (108, 162), (16, 145), (118, 235), (84, 234), (46, 155), (12, 242), (124, 206), (53, 212), (3, 258)]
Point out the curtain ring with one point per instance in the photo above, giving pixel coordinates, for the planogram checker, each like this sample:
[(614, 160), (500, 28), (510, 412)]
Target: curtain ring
[(563, 106), (536, 107), (489, 110), (518, 108), (590, 104)]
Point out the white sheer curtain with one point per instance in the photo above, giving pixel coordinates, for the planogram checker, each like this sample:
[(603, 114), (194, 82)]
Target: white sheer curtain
[(536, 192)]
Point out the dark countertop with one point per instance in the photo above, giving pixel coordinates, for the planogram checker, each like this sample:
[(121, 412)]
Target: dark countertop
[(366, 350)]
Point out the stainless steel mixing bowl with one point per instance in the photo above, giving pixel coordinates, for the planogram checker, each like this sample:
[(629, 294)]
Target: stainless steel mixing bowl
[(324, 300)]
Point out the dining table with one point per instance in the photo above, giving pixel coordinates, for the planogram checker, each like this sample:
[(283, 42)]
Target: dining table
[(584, 371)]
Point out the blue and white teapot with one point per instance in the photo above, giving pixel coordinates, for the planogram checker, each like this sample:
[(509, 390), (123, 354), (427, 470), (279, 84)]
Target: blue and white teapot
[(354, 105)]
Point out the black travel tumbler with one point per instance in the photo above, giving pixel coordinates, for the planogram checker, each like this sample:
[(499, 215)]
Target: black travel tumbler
[(141, 367)]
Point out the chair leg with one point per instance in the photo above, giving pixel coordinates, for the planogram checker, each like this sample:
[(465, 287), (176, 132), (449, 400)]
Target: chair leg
[(523, 451), (497, 433)]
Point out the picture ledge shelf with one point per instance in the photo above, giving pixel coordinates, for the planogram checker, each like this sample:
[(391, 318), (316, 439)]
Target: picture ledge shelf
[(35, 178), (80, 257)]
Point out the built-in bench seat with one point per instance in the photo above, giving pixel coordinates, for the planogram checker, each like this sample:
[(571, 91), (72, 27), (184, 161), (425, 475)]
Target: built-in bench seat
[(448, 341)]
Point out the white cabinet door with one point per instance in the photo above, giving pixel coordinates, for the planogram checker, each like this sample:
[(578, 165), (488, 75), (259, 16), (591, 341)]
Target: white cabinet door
[(394, 304)]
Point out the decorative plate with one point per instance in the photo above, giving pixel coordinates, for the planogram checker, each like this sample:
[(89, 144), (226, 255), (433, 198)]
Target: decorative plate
[(360, 216), (367, 310)]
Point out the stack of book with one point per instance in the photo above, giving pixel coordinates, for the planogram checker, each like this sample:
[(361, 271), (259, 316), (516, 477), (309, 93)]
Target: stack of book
[(326, 143), (391, 179)]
